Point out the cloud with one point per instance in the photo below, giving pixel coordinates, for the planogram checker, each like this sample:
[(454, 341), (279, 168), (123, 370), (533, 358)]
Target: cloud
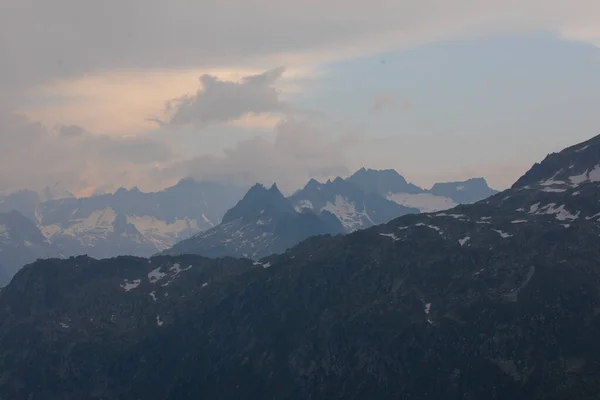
[(220, 101), (34, 156), (300, 150), (119, 102), (41, 41), (387, 101)]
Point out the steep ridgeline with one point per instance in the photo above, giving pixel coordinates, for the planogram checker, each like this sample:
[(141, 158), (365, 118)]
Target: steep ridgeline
[(352, 206), (264, 222), (442, 196), (20, 243), (495, 300), (133, 222), (25, 202)]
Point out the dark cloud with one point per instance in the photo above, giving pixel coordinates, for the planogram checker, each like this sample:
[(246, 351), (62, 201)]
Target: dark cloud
[(43, 40), (219, 101)]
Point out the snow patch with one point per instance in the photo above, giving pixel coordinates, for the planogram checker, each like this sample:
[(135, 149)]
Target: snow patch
[(518, 221), (577, 180), (390, 235), (98, 225), (427, 308), (165, 234), (155, 275), (456, 216), (158, 320), (464, 240), (302, 204), (153, 295), (594, 174), (502, 234), (63, 325), (593, 216), (560, 212), (552, 182), (347, 214), (435, 228), (553, 190), (533, 209), (130, 285), (176, 270)]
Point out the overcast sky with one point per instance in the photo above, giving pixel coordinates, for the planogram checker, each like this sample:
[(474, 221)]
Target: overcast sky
[(101, 94)]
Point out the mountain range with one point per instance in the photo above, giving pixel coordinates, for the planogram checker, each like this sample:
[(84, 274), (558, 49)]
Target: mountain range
[(131, 222), (493, 300), (264, 222)]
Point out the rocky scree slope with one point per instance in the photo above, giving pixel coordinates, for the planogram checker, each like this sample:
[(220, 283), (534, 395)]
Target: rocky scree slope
[(494, 300)]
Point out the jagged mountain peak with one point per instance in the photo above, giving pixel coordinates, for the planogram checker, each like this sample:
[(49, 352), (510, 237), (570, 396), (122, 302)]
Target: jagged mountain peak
[(383, 181), (354, 207), (566, 169), (312, 184), (275, 189), (257, 201)]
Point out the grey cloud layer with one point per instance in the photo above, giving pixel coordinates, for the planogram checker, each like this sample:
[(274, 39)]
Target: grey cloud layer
[(41, 40), (222, 101), (34, 156), (301, 150), (301, 147)]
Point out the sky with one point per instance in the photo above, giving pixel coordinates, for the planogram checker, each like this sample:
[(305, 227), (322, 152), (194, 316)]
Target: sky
[(95, 95)]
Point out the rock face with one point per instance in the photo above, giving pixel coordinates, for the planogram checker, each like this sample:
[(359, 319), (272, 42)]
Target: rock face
[(133, 222), (264, 222), (128, 221), (493, 300), (464, 192), (382, 182), (354, 207), (442, 196)]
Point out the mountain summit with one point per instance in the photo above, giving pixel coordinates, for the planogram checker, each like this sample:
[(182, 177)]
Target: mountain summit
[(258, 201), (382, 182), (264, 222), (464, 192), (442, 196), (569, 168), (354, 207)]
